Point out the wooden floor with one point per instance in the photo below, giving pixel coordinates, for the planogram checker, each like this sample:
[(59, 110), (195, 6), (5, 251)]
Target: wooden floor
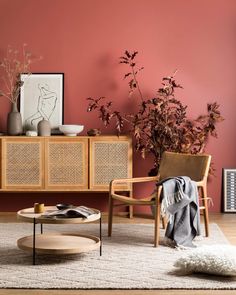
[(227, 223)]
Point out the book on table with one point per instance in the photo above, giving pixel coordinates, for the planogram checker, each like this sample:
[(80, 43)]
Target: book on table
[(75, 212)]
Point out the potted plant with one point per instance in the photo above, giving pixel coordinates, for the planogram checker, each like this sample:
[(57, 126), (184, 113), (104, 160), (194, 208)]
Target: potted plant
[(161, 123)]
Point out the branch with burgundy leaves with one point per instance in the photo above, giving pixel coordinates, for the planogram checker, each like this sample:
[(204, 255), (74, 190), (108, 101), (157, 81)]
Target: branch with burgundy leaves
[(161, 123)]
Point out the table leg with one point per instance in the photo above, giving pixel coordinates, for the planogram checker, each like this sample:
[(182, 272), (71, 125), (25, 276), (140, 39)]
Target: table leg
[(41, 227), (34, 241), (101, 235), (131, 207)]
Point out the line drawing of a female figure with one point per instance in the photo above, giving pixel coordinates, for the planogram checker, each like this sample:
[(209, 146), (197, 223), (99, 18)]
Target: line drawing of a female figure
[(47, 102)]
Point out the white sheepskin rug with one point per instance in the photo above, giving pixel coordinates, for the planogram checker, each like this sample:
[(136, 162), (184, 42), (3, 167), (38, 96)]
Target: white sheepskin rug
[(215, 259)]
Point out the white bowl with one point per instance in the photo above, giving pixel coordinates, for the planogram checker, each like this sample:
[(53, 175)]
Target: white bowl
[(71, 130)]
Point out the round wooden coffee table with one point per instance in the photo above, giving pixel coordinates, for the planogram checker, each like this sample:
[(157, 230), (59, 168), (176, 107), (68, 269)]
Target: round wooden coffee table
[(58, 243)]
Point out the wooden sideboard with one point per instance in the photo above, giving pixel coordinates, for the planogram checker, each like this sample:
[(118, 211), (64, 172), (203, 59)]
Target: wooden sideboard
[(61, 163)]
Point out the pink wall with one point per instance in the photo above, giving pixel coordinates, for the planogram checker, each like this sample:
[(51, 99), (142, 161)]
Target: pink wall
[(84, 38)]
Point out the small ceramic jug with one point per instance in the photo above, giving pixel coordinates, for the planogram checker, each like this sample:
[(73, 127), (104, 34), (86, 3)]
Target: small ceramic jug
[(44, 128)]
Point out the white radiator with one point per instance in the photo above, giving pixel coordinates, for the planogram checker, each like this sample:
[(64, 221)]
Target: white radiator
[(229, 190)]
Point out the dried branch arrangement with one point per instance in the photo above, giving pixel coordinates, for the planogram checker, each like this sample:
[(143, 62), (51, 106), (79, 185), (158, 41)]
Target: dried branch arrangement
[(14, 64), (161, 123)]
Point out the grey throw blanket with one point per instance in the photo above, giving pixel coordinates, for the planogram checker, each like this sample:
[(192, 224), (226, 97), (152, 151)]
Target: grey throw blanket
[(180, 202)]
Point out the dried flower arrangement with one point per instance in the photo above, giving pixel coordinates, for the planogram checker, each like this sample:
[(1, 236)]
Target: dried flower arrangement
[(161, 123), (11, 67)]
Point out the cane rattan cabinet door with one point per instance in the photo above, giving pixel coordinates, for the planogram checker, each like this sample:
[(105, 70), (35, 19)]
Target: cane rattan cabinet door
[(22, 163), (66, 163), (110, 158)]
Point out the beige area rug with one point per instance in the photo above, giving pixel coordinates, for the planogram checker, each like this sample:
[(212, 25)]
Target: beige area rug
[(129, 261)]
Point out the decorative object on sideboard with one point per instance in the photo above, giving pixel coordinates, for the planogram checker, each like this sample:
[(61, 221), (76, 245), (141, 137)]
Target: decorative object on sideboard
[(93, 132), (44, 128), (11, 67), (41, 97), (14, 121), (31, 133), (71, 130), (160, 123)]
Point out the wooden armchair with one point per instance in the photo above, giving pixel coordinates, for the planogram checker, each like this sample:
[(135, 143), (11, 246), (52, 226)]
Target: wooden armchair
[(172, 164)]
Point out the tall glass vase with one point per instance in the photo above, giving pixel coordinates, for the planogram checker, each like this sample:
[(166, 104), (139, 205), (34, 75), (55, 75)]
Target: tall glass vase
[(14, 121)]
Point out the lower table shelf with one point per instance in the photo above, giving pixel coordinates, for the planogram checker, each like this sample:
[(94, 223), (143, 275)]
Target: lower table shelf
[(59, 243)]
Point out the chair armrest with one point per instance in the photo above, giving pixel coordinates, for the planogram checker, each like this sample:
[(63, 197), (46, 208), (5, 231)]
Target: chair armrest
[(208, 199), (132, 180), (200, 183)]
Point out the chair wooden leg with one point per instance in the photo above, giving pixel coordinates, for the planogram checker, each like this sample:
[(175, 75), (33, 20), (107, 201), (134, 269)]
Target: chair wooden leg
[(157, 225), (110, 216), (206, 219), (131, 211), (164, 223), (131, 208), (205, 212)]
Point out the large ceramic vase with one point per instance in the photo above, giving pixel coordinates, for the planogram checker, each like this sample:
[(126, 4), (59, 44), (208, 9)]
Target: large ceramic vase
[(14, 121)]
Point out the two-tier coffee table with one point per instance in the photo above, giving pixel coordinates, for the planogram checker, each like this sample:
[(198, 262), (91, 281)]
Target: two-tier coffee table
[(61, 242)]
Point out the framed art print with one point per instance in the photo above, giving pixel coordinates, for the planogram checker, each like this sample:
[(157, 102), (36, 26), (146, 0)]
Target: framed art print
[(41, 97)]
